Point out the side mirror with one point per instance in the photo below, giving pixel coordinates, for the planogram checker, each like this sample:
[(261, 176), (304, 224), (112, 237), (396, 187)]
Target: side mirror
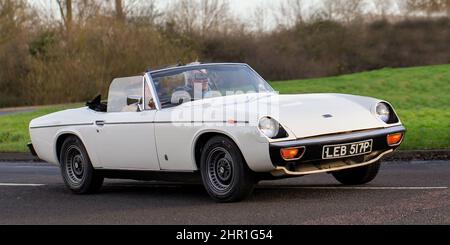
[(135, 100)]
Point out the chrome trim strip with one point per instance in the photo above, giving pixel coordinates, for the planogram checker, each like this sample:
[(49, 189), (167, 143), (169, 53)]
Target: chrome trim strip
[(326, 139), (283, 171), (146, 170), (143, 95), (62, 125), (174, 122), (194, 66), (125, 123)]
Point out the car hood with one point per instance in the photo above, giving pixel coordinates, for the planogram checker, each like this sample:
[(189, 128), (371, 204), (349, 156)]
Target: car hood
[(320, 114), (303, 115)]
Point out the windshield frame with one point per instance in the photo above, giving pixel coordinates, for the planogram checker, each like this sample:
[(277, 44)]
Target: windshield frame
[(149, 76)]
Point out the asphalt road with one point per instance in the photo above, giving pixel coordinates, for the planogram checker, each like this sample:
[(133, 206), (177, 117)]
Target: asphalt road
[(403, 193), (9, 111)]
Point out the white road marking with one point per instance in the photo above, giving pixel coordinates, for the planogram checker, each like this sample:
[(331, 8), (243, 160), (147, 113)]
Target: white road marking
[(19, 184), (358, 187), (275, 187)]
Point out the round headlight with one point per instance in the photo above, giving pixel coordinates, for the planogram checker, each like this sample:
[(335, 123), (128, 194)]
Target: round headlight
[(269, 127), (383, 112)]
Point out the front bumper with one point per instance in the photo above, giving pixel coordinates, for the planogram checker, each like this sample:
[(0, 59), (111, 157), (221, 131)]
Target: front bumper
[(312, 162), (32, 150)]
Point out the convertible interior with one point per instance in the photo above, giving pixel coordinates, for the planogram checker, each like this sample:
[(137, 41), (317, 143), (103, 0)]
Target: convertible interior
[(97, 104), (125, 94)]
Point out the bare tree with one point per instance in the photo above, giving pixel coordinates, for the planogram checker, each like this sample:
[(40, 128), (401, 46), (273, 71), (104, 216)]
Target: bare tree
[(351, 9), (202, 16), (402, 8), (428, 7), (343, 10), (182, 14), (13, 18), (119, 10), (448, 8), (65, 9), (382, 7), (329, 9), (86, 9), (290, 13), (16, 21), (259, 18), (214, 12), (144, 12)]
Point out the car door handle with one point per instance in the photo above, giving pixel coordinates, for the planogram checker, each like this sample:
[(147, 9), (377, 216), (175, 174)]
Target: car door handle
[(100, 123)]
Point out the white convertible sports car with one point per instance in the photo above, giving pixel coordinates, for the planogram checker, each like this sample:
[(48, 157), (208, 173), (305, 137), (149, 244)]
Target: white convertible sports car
[(222, 122)]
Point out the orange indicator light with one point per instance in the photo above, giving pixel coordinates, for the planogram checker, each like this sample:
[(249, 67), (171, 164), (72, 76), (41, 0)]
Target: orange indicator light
[(394, 139), (291, 153)]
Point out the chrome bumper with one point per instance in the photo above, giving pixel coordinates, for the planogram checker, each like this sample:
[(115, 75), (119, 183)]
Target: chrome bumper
[(311, 162), (335, 166)]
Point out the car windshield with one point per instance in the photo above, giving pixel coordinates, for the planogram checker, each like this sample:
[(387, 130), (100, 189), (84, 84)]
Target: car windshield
[(179, 85)]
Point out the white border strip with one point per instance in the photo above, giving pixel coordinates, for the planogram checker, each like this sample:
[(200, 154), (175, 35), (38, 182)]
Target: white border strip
[(358, 187), (19, 184)]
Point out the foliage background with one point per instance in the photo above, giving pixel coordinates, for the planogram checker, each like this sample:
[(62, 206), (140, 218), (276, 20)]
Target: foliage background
[(71, 58)]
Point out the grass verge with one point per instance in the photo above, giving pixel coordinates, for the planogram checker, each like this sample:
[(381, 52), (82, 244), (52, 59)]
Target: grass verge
[(420, 95)]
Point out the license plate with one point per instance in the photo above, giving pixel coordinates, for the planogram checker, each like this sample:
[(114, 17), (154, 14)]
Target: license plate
[(346, 150)]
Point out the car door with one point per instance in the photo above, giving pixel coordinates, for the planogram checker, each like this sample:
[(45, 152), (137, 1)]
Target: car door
[(173, 134), (125, 132)]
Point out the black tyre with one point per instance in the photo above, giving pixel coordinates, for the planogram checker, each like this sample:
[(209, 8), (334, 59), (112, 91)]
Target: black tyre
[(225, 174), (358, 176), (76, 168)]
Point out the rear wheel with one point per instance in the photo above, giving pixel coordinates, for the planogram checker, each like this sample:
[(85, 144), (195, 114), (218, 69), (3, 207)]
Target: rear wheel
[(225, 173), (359, 175), (76, 168)]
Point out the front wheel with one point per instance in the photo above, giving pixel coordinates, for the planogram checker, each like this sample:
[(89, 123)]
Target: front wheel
[(76, 168), (358, 175), (225, 174)]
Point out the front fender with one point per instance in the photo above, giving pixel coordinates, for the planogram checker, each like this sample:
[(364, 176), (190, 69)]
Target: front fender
[(253, 146)]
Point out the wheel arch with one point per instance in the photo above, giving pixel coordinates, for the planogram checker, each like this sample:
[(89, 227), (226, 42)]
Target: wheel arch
[(61, 137), (202, 137)]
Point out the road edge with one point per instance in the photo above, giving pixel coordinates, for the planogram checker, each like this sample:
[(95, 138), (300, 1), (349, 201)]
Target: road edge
[(419, 155), (412, 155)]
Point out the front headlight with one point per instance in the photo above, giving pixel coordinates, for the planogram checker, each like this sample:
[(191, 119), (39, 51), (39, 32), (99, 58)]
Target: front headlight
[(269, 127), (383, 112)]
